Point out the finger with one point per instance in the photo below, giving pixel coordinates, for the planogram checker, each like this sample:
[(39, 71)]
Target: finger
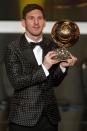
[(73, 57), (52, 55)]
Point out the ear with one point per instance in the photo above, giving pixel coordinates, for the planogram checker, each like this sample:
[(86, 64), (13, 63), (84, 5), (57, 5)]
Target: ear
[(44, 23), (23, 23)]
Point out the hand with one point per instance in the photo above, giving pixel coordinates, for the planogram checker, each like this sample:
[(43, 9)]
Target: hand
[(69, 62), (49, 59)]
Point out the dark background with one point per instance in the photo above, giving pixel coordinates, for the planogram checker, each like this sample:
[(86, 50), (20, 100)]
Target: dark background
[(54, 9)]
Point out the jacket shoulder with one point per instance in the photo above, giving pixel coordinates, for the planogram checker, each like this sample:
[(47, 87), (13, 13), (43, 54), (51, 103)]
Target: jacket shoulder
[(14, 43), (50, 42)]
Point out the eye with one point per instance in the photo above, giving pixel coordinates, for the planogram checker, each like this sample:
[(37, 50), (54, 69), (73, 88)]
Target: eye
[(40, 18), (30, 18)]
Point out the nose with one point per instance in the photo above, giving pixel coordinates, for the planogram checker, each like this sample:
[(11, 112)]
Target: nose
[(36, 21)]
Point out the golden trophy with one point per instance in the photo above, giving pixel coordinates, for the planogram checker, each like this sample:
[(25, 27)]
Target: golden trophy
[(65, 33)]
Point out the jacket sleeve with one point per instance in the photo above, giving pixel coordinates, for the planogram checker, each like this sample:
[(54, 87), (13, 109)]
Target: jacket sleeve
[(56, 75), (20, 74)]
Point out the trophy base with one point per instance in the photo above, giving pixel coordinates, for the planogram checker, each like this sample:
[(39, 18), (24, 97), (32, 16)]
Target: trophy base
[(63, 54)]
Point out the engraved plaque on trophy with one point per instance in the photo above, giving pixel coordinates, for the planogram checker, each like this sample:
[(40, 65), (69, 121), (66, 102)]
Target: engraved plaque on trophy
[(65, 33)]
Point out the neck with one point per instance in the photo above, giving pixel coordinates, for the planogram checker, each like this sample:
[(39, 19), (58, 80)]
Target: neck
[(34, 38)]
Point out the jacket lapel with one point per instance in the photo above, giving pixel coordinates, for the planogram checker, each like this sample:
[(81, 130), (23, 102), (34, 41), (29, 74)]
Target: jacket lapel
[(27, 51)]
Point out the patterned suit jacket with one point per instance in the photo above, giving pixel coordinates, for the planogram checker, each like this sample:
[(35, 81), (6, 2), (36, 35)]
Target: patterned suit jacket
[(33, 91)]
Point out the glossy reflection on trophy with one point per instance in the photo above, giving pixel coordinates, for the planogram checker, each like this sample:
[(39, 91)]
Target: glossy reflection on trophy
[(65, 33)]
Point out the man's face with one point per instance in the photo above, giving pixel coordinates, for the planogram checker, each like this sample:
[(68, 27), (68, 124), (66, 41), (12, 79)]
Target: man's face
[(34, 23)]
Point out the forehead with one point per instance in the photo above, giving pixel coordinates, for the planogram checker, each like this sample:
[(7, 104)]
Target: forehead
[(35, 12)]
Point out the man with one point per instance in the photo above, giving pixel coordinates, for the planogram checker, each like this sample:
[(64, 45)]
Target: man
[(33, 73)]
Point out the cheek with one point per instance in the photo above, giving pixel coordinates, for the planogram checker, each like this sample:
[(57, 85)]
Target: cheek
[(42, 24), (28, 25)]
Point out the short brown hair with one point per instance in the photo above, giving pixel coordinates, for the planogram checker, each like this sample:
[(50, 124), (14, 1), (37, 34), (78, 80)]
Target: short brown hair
[(30, 7)]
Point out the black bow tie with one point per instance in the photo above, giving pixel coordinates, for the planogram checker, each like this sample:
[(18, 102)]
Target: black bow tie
[(33, 44)]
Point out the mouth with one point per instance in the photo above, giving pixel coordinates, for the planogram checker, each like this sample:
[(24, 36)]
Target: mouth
[(35, 28)]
